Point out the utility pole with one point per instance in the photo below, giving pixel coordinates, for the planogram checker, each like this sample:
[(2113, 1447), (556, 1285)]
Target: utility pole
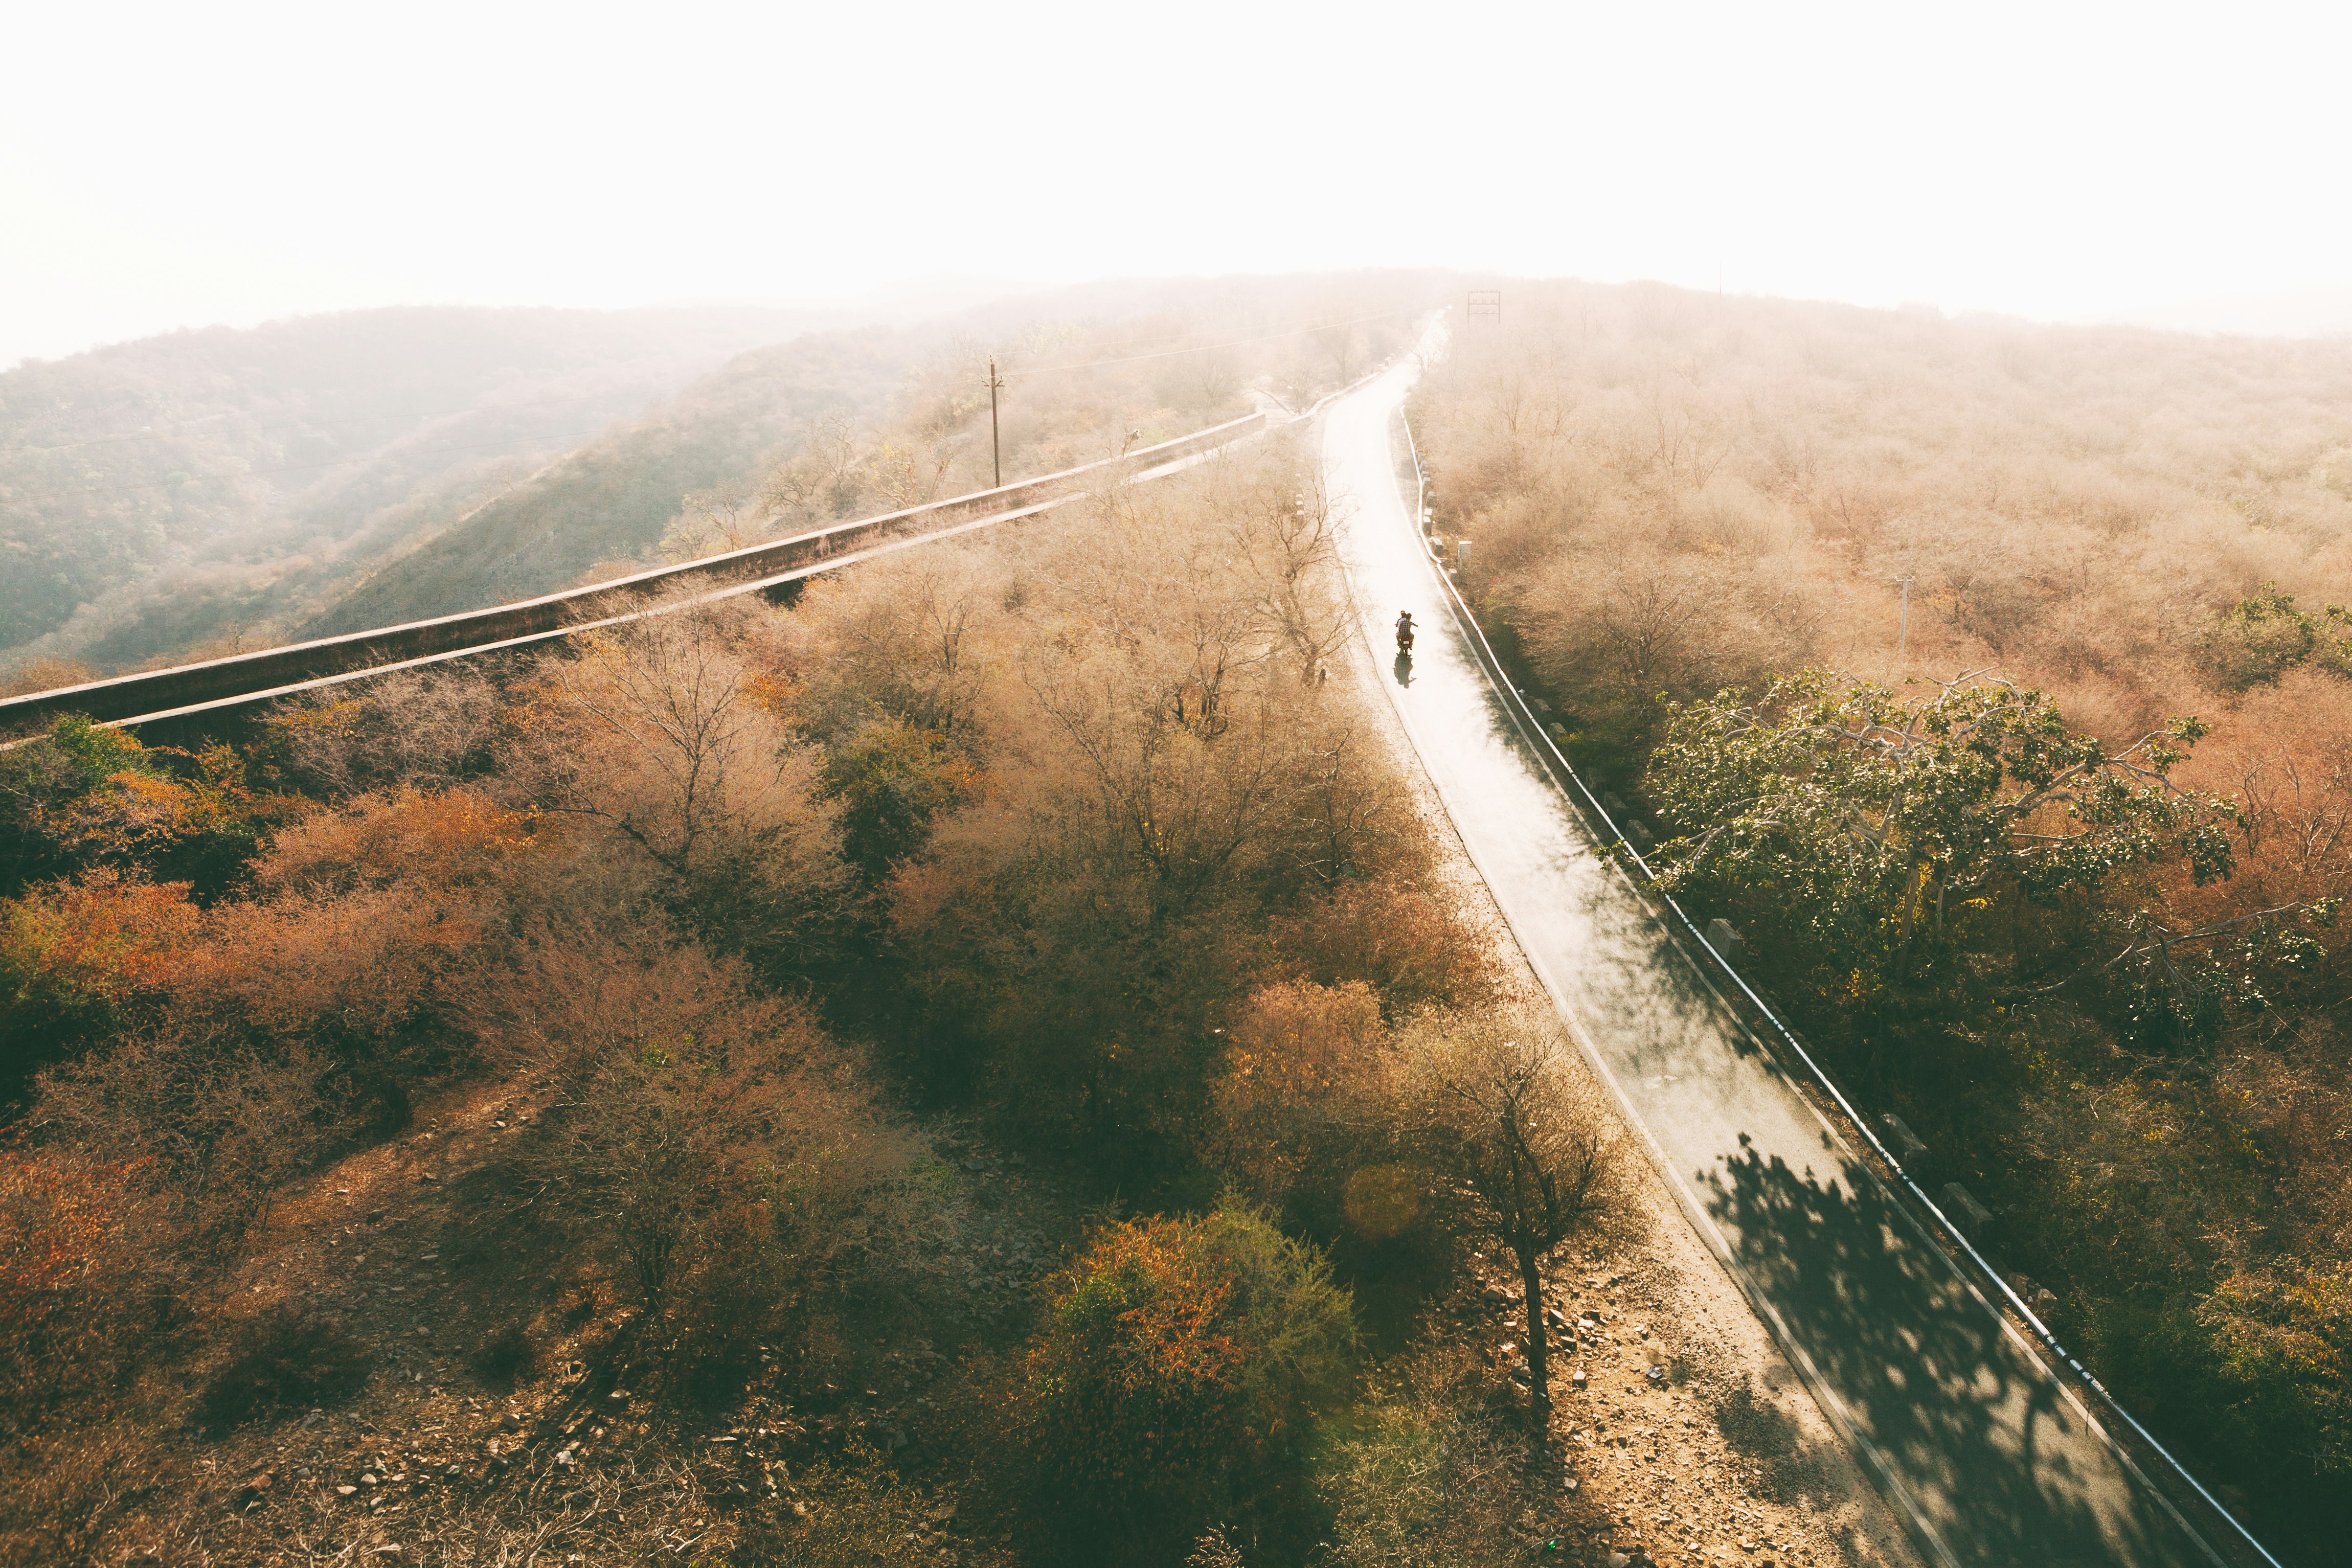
[(1903, 637), (995, 446)]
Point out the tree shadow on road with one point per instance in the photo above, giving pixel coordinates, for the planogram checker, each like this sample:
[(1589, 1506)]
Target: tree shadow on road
[(1985, 1446)]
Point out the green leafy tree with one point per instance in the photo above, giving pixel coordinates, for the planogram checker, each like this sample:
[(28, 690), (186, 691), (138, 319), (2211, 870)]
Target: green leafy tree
[(84, 795), (2263, 635), (1873, 825), (2280, 1359), (892, 778), (1183, 1364)]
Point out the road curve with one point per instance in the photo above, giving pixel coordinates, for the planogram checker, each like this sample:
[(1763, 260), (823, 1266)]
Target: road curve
[(1990, 1460)]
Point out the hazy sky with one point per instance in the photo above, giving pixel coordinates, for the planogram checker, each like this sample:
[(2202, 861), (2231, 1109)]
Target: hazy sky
[(185, 165)]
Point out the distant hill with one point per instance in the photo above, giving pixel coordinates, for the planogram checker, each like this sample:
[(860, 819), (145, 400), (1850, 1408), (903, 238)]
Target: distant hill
[(205, 492), (611, 499), (157, 494), (2292, 313)]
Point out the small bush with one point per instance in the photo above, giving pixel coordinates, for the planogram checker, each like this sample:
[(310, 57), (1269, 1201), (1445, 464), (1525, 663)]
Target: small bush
[(891, 780), (2263, 635), (86, 1296), (505, 1354), (1406, 944), (860, 1515), (1423, 1472), (1181, 1368), (285, 1360)]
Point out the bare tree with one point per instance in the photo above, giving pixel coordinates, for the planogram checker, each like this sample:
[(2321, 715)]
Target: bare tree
[(1286, 540), (653, 733), (1532, 1154), (820, 481), (712, 521)]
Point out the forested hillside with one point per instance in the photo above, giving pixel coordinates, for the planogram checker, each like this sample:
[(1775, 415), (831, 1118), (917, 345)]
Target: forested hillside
[(850, 424), (612, 500), (975, 1067), (164, 492), (2047, 862), (211, 491)]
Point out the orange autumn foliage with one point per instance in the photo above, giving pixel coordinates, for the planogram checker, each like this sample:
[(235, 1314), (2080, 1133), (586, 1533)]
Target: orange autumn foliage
[(1392, 935), (60, 1222), (1180, 1360), (1303, 1069), (443, 839), (71, 950)]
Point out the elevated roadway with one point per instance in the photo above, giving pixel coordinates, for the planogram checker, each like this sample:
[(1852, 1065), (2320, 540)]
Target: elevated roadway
[(188, 697)]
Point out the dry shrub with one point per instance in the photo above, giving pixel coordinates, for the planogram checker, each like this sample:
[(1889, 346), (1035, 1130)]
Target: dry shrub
[(571, 998), (653, 734), (1410, 948), (1614, 627), (1305, 1087), (89, 1314), (288, 1359), (75, 955), (45, 675), (366, 966), (274, 1033), (447, 840), (733, 1157), (412, 729), (906, 637), (83, 1287), (224, 1121)]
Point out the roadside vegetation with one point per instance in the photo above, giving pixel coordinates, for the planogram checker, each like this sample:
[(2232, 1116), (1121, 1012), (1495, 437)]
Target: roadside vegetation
[(2048, 863), (925, 1073)]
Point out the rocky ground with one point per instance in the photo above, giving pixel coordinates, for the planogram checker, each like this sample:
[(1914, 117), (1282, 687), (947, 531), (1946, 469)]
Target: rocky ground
[(454, 1452)]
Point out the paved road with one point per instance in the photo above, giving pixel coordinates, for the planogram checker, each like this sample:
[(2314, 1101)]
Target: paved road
[(1991, 1461)]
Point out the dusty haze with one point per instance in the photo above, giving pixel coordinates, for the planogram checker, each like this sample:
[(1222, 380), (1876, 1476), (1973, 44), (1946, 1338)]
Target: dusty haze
[(165, 168)]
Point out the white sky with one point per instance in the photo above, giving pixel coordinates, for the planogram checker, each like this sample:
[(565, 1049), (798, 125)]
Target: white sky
[(162, 166)]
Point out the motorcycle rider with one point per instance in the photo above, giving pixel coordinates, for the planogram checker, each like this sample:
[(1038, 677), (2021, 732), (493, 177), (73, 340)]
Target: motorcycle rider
[(1404, 632)]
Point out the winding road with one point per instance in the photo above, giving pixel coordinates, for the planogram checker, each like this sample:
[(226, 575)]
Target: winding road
[(1990, 1458)]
